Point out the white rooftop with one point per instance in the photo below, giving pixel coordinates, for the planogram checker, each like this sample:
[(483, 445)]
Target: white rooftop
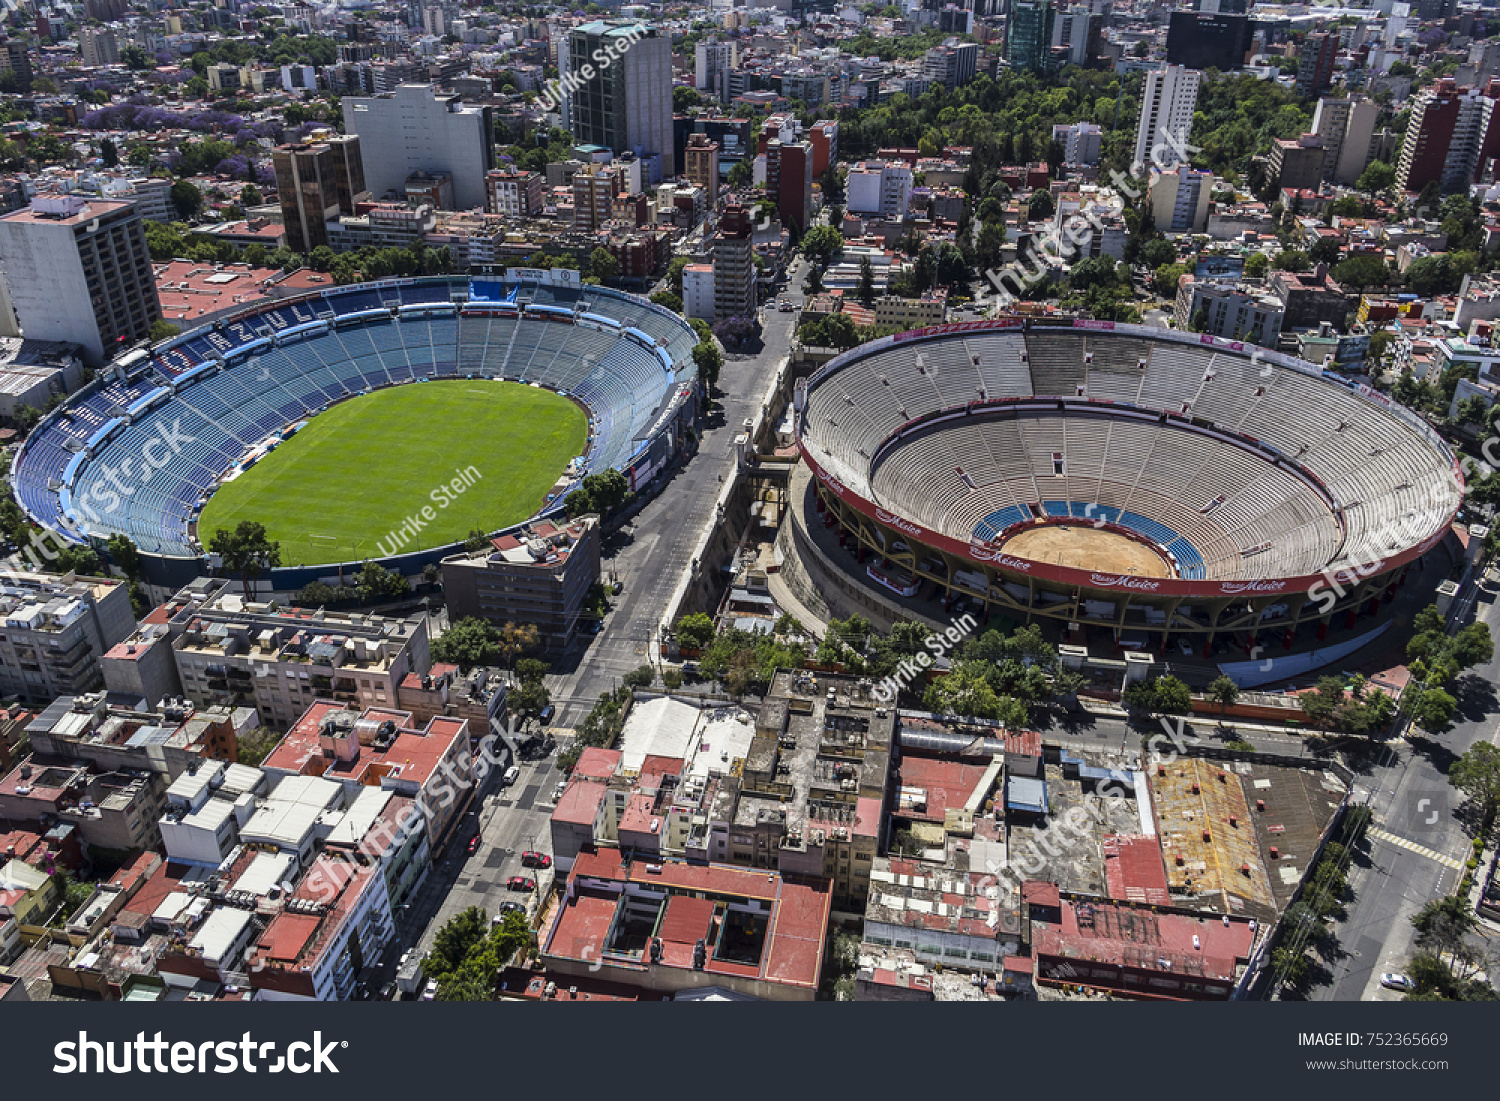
[(219, 933)]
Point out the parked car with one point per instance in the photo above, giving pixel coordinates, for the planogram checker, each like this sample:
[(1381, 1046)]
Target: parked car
[(473, 844), (521, 883), (512, 774), (557, 792), (388, 991), (429, 992), (1393, 981), (535, 860), (509, 907)]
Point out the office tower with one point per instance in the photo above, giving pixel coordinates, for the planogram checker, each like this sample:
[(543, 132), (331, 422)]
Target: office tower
[(17, 59), (1028, 36), (1166, 117), (79, 271), (1070, 33), (733, 251), (1208, 40), (714, 61), (1315, 63), (416, 130), (951, 65), (623, 104), (1347, 127), (317, 181)]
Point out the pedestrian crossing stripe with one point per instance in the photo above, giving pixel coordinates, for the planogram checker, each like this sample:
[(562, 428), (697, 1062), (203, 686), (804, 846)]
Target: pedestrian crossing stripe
[(1420, 850)]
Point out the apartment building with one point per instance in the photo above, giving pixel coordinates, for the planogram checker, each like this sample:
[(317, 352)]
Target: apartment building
[(54, 635)]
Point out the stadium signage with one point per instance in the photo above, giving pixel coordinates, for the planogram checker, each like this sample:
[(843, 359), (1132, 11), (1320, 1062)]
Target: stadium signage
[(959, 327), (1089, 324), (896, 522), (1122, 581), (986, 554), (1238, 588)]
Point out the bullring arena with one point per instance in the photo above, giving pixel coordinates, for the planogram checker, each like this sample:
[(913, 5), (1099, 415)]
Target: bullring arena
[(1169, 488)]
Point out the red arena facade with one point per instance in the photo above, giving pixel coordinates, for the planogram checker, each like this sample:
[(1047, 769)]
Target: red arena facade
[(1153, 482)]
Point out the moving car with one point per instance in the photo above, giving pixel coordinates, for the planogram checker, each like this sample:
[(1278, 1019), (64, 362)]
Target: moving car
[(521, 883), (512, 774), (473, 844), (535, 860), (1394, 981)]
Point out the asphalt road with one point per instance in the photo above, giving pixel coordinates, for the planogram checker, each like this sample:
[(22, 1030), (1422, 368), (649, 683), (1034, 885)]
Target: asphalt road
[(1418, 838)]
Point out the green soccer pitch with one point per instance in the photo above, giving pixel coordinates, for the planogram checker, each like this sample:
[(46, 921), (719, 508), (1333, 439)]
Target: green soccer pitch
[(339, 488)]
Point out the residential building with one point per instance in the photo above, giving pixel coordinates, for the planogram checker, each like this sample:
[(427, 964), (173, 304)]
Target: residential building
[(78, 270), (702, 165), (126, 737), (594, 189), (1166, 119), (698, 291), (1297, 163), (317, 181), (965, 922), (99, 46), (951, 65), (1347, 127), (118, 809), (626, 106), (732, 250), (205, 810), (1315, 62), (539, 574), (56, 633), (1310, 298), (912, 313), (789, 180), (1209, 40), (714, 61), (879, 187), (16, 58), (1081, 142), (1242, 310), (1070, 35), (153, 195), (279, 659), (1028, 36), (1449, 136), (415, 129), (824, 136), (514, 193)]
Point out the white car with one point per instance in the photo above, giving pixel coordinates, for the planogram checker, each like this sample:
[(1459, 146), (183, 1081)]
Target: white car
[(512, 774), (1393, 981), (429, 992)]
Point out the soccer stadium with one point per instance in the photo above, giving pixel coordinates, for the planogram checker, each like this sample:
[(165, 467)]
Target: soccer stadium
[(143, 449), (1160, 486)]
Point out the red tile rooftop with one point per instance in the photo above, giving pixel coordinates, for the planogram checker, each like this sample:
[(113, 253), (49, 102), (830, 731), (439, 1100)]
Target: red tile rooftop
[(1145, 940), (600, 763), (948, 783), (1134, 871), (1036, 892), (579, 804), (286, 936)]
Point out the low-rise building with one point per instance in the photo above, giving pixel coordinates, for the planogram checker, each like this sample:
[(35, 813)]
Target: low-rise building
[(54, 632)]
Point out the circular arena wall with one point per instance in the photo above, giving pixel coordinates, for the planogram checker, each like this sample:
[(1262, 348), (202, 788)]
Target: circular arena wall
[(141, 449), (1256, 480)]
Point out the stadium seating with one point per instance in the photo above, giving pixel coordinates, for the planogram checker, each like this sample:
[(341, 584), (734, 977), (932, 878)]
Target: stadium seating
[(229, 411)]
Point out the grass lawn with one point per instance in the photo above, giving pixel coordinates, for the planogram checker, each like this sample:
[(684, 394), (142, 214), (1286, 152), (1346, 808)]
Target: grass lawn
[(338, 489)]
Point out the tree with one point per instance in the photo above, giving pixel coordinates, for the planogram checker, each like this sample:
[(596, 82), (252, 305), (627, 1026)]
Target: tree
[(1224, 692), (1477, 775), (1377, 176), (674, 274), (1363, 270), (1326, 250), (672, 679), (1429, 708), (468, 643), (162, 330), (642, 676), (1159, 695), (822, 243), (607, 489), (108, 153), (1256, 264), (477, 540), (517, 639), (1040, 206), (603, 265), (246, 551), (528, 699), (866, 291), (187, 200), (125, 555), (709, 361), (695, 630), (375, 582)]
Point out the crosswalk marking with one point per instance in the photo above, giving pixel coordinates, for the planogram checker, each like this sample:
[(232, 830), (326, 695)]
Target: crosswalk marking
[(1420, 850)]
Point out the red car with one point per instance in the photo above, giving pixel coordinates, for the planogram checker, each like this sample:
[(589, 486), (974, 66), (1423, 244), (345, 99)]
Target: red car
[(535, 860), (473, 844), (521, 883)]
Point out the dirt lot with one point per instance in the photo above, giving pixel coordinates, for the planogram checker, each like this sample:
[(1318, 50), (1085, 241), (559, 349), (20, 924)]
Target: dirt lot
[(1086, 548)]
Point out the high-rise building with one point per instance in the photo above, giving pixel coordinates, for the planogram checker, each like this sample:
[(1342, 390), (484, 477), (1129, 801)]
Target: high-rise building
[(623, 104), (702, 167), (1179, 200), (99, 46), (1166, 117), (1296, 164), (1347, 127), (317, 181), (413, 130), (824, 135), (714, 61), (79, 271), (951, 65), (1028, 36), (789, 180), (1070, 33), (1208, 40), (594, 187), (1449, 136), (1315, 63), (733, 251), (16, 59)]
